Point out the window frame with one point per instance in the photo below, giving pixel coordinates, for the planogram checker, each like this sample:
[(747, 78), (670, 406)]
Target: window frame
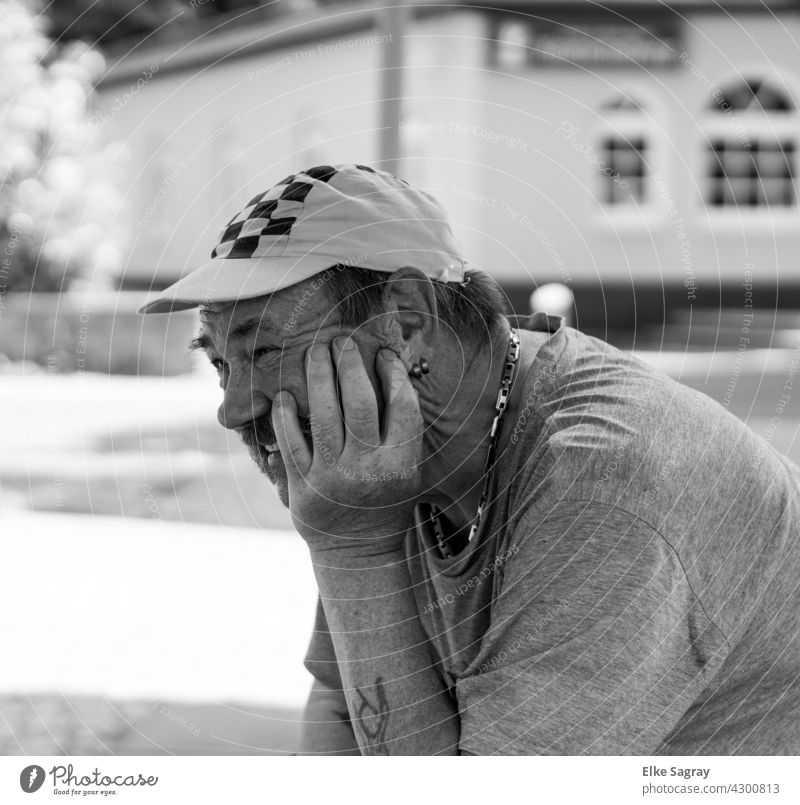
[(758, 126), (631, 124)]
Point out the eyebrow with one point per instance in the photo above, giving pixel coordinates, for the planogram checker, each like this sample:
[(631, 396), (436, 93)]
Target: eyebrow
[(245, 328), (203, 340)]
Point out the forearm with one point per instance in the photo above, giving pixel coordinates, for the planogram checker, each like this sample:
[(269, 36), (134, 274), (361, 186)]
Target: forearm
[(398, 702), (326, 724)]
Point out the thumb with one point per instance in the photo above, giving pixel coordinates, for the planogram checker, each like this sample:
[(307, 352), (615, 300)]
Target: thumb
[(294, 449)]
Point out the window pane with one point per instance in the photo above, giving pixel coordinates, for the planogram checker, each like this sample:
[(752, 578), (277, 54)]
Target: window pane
[(624, 195), (623, 169), (772, 191), (738, 192), (739, 162), (761, 174), (775, 162), (628, 162)]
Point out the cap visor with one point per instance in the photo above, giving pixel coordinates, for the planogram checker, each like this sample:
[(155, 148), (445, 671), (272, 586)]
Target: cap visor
[(230, 280)]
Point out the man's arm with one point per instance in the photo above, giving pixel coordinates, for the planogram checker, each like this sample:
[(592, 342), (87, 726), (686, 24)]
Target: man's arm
[(397, 699), (352, 494), (326, 722)]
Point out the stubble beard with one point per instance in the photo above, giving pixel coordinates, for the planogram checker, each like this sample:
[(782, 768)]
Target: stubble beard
[(261, 431), (276, 474)]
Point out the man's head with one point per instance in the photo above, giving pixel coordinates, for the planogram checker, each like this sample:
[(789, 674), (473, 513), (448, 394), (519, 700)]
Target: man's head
[(329, 251), (258, 346)]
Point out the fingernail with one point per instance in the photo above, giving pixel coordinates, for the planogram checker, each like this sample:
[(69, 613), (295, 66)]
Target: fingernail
[(318, 352), (387, 354), (344, 342)]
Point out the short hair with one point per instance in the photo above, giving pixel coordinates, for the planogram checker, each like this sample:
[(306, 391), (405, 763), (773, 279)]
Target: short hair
[(470, 308)]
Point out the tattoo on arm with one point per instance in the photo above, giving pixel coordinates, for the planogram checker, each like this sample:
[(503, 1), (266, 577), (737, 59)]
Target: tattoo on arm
[(371, 719)]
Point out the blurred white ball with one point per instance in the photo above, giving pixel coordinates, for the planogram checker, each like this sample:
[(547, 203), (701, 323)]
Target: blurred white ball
[(555, 298)]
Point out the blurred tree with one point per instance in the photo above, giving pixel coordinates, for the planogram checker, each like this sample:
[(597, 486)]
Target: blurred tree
[(102, 22), (61, 187), (59, 204)]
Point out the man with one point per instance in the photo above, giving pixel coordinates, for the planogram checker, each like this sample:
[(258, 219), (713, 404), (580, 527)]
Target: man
[(526, 541)]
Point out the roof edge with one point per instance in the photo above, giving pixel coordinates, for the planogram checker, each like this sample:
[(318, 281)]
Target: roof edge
[(215, 45)]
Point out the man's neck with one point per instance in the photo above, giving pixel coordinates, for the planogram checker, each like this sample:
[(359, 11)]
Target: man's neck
[(459, 414)]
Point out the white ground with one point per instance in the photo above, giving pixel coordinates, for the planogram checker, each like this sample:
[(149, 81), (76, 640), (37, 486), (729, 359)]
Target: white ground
[(136, 608), (146, 608), (133, 607)]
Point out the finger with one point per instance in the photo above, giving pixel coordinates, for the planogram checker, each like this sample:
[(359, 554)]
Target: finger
[(293, 446), (326, 417), (402, 418), (358, 397)]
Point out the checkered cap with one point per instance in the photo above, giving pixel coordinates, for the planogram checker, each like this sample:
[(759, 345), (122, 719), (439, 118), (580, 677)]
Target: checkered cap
[(327, 215)]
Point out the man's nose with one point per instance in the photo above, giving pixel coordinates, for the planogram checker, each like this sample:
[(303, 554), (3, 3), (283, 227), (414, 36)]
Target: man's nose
[(241, 405)]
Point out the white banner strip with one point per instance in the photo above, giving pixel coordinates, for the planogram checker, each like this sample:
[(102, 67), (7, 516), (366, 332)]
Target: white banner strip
[(399, 781)]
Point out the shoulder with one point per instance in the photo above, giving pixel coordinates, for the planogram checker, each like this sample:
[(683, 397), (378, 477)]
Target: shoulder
[(578, 380), (605, 425)]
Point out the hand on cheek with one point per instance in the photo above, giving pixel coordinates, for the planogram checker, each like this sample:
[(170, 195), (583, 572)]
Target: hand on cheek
[(354, 489)]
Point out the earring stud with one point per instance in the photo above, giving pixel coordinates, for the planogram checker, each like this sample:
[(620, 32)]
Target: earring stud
[(419, 369)]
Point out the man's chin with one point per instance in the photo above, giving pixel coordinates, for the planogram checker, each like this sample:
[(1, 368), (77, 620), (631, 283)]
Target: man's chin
[(277, 477), (275, 472)]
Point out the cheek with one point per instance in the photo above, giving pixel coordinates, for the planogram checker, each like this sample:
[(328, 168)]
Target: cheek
[(288, 375)]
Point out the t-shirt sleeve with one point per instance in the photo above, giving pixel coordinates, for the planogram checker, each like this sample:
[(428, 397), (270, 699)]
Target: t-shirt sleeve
[(597, 643)]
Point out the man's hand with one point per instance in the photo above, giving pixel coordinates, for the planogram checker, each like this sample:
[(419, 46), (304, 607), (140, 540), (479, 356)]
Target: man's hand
[(355, 490)]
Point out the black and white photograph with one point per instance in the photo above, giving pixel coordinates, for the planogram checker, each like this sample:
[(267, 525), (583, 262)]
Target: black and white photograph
[(400, 379)]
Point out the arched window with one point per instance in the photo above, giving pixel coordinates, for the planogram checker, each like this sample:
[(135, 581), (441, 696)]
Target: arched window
[(751, 146), (623, 146), (751, 95)]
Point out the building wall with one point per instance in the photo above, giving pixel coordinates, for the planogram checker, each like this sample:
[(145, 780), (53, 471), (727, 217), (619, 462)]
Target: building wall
[(510, 152), (202, 143), (537, 187)]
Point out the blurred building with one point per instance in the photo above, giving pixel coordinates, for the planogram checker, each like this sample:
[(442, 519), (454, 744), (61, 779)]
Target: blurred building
[(643, 155)]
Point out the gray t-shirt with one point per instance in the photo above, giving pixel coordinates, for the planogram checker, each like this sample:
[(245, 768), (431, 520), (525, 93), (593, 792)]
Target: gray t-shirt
[(635, 588), (635, 585)]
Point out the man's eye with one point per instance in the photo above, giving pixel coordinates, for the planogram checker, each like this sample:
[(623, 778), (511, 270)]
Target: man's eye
[(216, 363), (260, 353)]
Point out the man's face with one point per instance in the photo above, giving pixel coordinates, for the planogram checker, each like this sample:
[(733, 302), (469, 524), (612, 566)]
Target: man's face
[(258, 347)]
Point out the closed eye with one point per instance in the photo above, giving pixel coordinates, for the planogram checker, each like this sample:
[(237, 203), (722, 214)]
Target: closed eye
[(262, 352)]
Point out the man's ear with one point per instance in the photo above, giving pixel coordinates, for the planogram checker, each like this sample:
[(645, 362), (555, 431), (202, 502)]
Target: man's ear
[(410, 298)]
